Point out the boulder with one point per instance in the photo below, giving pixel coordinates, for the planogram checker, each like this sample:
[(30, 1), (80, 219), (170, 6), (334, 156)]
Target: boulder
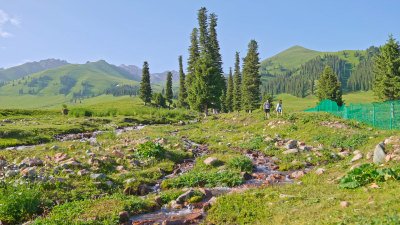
[(379, 153), (158, 200), (33, 162), (210, 161), (184, 197), (305, 148), (297, 174)]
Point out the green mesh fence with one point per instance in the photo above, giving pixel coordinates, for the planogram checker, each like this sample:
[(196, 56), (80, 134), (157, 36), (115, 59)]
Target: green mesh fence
[(384, 115)]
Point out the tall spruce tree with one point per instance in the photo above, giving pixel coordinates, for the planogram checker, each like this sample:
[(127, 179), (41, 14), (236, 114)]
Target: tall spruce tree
[(145, 87), (386, 85), (201, 94), (168, 92), (182, 95), (237, 85), (251, 79), (328, 87), (203, 31), (217, 58), (229, 93), (194, 54)]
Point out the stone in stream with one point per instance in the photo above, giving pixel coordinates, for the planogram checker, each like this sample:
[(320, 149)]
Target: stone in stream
[(297, 174), (379, 153), (123, 216), (184, 197), (210, 161), (158, 200)]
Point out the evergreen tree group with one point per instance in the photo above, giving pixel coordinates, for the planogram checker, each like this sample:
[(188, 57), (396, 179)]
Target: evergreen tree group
[(329, 87), (182, 94), (251, 79), (386, 85), (168, 92), (237, 85)]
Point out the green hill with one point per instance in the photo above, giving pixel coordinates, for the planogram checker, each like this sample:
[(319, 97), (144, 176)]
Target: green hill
[(65, 84), (25, 69), (290, 58)]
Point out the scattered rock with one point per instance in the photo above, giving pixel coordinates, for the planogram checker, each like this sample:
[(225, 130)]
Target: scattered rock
[(123, 216), (297, 174), (117, 153), (109, 183), (379, 153), (355, 166), (12, 173), (290, 151), (184, 197), (97, 176), (246, 175), (175, 205), (55, 179), (130, 181), (158, 200), (83, 172), (32, 162), (286, 196), (54, 147), (369, 155), (344, 204), (374, 185), (305, 148), (344, 154), (331, 198), (357, 157), (320, 171), (356, 152), (210, 161), (119, 168)]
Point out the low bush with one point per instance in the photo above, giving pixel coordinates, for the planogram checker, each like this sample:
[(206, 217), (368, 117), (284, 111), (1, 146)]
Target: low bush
[(241, 163), (254, 144), (205, 179), (150, 150)]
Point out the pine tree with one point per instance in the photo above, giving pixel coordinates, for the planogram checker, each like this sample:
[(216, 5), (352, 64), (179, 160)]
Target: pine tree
[(203, 31), (145, 88), (328, 87), (251, 78), (168, 92), (194, 55), (201, 94), (237, 85), (229, 93), (217, 58), (182, 95), (386, 85), (223, 102)]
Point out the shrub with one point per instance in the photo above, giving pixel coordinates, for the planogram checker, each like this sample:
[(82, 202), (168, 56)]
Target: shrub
[(254, 144), (18, 205), (150, 150), (241, 163)]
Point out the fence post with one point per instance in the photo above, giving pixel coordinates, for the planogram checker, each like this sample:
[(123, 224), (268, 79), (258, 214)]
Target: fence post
[(373, 115), (391, 111)]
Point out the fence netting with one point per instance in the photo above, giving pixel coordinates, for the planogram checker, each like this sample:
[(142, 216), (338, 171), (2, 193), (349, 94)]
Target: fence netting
[(384, 115)]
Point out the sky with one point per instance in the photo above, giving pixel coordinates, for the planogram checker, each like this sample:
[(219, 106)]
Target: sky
[(133, 31)]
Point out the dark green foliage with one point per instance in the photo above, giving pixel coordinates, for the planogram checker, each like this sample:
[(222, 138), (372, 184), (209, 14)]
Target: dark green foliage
[(145, 88), (229, 93), (241, 163), (19, 204), (168, 93), (204, 38), (204, 90), (67, 82), (150, 150), (367, 174), (329, 87), (387, 71), (194, 54), (182, 95), (237, 85), (169, 195), (159, 100), (363, 76), (251, 78), (120, 90), (205, 179)]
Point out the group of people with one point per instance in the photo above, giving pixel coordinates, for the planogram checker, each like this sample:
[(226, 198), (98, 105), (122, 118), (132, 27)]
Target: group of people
[(267, 108)]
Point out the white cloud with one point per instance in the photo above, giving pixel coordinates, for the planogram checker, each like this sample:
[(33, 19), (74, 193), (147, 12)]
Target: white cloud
[(6, 19)]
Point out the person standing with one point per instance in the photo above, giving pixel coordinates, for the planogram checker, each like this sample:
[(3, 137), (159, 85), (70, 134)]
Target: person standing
[(279, 108), (267, 107)]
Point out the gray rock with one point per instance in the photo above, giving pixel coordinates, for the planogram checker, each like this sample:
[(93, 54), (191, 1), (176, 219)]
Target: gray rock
[(357, 157), (83, 172), (54, 147), (320, 171), (305, 148), (109, 183), (210, 160), (184, 197), (290, 146), (379, 153), (32, 162), (12, 173), (344, 154), (97, 176), (3, 163), (290, 151)]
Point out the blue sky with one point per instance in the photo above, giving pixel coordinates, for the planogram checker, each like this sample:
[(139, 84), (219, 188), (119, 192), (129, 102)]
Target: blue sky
[(132, 31)]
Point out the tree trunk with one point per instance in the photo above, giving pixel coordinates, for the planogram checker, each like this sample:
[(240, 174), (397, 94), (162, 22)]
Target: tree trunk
[(205, 111)]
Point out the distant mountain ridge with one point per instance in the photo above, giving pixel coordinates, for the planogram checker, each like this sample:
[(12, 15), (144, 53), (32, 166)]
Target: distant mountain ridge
[(154, 77), (25, 69)]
